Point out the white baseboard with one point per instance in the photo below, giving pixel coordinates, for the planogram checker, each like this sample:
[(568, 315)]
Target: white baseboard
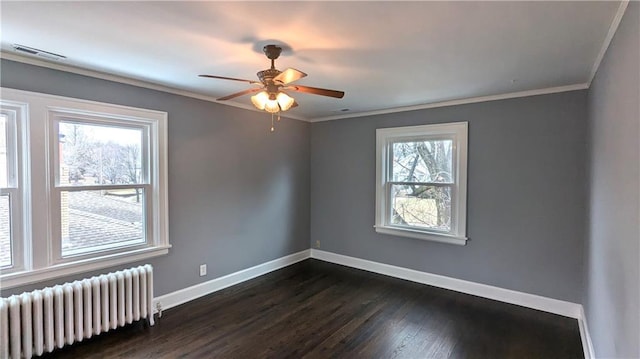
[(550, 305), (190, 293), (587, 345), (555, 306)]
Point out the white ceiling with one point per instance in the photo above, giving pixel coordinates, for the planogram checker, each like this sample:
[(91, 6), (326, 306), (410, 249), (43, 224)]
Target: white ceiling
[(382, 54)]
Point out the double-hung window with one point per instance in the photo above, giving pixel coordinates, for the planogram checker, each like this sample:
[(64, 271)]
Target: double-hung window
[(12, 184), (100, 195), (421, 184), (96, 189)]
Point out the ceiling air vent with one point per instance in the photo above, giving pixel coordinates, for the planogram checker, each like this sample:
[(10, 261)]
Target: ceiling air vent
[(37, 52)]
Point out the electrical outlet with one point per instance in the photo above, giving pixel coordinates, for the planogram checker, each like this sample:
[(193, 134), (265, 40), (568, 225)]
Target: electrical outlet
[(203, 270), (318, 244)]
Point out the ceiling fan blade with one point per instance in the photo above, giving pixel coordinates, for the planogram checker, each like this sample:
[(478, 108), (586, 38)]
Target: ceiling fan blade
[(317, 91), (230, 78), (233, 95), (289, 75)]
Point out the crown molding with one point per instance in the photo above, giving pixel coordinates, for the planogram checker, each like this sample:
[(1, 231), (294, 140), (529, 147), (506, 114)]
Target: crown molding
[(128, 81), (163, 88), (463, 101), (607, 40)]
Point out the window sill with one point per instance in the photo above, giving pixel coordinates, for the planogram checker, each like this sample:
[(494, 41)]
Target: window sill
[(442, 238), (17, 279)]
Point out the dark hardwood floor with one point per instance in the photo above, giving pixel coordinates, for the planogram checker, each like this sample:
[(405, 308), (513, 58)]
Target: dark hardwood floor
[(315, 309)]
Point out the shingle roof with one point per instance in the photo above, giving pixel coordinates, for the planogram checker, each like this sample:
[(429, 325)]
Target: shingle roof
[(94, 219)]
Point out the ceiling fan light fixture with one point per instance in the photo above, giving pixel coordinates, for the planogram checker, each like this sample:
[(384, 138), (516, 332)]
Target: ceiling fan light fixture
[(260, 99), (272, 103), (269, 96), (285, 101), (272, 106)]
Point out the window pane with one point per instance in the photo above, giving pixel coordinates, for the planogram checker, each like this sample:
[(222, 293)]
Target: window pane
[(95, 154), (5, 232), (421, 206), (423, 161), (4, 173), (101, 220)]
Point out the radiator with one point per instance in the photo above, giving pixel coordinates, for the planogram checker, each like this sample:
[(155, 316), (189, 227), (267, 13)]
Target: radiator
[(38, 322)]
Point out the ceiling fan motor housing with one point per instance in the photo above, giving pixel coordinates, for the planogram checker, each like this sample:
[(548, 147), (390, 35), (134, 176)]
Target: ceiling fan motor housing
[(266, 76)]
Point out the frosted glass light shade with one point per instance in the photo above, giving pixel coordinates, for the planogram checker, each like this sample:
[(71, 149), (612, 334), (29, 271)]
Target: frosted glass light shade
[(271, 106), (263, 101), (285, 101), (260, 99)]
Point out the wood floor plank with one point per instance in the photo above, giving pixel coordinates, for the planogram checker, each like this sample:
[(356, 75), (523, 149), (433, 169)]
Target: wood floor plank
[(314, 309)]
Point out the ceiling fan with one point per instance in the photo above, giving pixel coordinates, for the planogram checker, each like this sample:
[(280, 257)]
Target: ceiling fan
[(273, 82)]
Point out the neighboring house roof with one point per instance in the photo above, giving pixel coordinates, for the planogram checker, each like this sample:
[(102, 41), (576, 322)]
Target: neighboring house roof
[(94, 219)]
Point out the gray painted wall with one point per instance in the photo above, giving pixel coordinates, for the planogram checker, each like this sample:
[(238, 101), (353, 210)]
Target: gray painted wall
[(612, 269), (238, 194), (526, 202)]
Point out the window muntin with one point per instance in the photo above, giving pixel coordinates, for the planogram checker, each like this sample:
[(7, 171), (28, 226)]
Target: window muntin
[(421, 182), (134, 199)]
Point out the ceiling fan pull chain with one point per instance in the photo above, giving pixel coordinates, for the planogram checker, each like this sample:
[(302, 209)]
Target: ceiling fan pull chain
[(278, 116), (272, 129)]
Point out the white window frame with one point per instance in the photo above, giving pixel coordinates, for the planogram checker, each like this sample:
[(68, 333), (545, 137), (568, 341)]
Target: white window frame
[(42, 252), (56, 116), (17, 181), (385, 138)]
